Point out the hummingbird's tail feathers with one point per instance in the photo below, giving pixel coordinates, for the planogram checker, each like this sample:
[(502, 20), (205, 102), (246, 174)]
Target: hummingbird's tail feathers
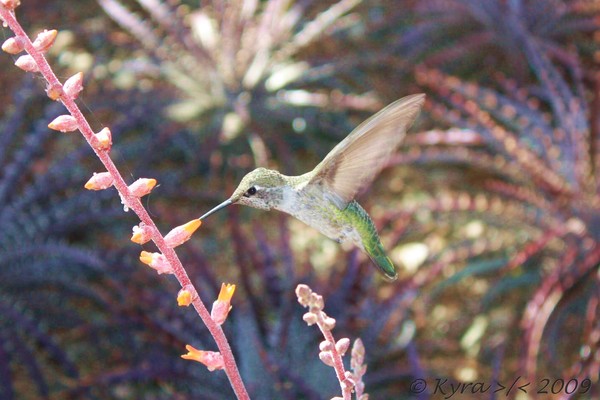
[(382, 261)]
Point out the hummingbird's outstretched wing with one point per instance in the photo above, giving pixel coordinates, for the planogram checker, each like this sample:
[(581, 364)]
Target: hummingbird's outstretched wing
[(355, 161)]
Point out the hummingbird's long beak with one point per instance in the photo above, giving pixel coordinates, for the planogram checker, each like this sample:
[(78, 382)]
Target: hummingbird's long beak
[(217, 208)]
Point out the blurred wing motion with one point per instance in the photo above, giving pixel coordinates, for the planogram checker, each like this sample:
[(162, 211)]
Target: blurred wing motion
[(355, 161)]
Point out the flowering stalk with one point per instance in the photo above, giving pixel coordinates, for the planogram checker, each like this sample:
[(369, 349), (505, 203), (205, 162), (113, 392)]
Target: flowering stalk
[(332, 351), (36, 62)]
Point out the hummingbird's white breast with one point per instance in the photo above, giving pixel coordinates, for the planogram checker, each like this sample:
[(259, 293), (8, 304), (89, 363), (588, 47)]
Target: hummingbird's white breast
[(309, 205)]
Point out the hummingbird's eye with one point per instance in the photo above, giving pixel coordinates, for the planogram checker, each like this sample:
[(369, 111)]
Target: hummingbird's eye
[(251, 191)]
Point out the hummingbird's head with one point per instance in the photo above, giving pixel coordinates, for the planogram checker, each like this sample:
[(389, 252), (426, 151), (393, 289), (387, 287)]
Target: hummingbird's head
[(261, 188)]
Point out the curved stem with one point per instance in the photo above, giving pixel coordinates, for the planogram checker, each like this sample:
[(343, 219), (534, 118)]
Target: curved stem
[(131, 201)]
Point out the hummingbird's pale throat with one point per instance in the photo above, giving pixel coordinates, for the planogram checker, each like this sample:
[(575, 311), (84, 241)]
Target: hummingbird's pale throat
[(324, 197)]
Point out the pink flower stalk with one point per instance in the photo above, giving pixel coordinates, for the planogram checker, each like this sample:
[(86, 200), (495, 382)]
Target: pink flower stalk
[(142, 233), (142, 187), (212, 359), (222, 305), (156, 261), (36, 62), (359, 369), (99, 181), (64, 123), (45, 40), (13, 45), (27, 64), (74, 85), (331, 352), (182, 233)]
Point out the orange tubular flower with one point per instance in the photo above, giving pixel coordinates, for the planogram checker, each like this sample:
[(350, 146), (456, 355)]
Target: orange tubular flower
[(64, 123), (141, 234), (222, 306), (99, 181), (212, 359), (182, 233), (142, 187), (156, 261)]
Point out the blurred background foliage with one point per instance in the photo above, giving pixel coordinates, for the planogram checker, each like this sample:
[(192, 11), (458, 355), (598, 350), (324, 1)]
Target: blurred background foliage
[(491, 206)]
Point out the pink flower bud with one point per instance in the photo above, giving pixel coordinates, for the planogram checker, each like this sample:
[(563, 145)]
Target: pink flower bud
[(327, 358), (329, 323), (102, 140), (142, 233), (156, 261), (10, 4), (222, 305), (358, 354), (74, 85), (45, 40), (142, 187), (100, 181), (325, 346), (212, 359), (310, 318), (27, 63), (316, 302), (13, 45), (64, 123), (342, 346), (182, 233), (303, 293), (349, 379)]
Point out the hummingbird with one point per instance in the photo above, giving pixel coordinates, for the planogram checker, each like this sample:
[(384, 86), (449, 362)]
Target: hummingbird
[(324, 197)]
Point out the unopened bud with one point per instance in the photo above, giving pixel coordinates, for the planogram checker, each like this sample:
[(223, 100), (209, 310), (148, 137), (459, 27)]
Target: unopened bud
[(10, 4), (182, 233), (310, 318), (13, 45), (342, 346), (327, 358), (349, 377), (142, 233), (358, 354), (99, 181), (27, 63), (325, 345), (103, 139), (64, 123), (45, 40), (316, 302), (303, 293), (74, 85), (329, 323), (142, 187)]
